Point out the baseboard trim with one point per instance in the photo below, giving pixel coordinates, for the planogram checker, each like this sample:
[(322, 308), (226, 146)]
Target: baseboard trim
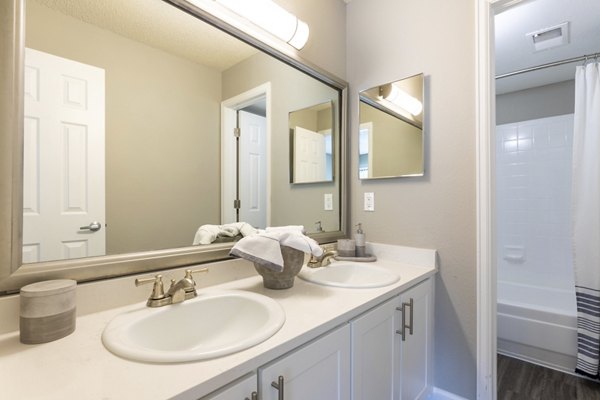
[(439, 394)]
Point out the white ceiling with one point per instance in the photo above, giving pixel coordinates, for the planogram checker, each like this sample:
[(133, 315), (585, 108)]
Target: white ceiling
[(160, 25), (514, 50)]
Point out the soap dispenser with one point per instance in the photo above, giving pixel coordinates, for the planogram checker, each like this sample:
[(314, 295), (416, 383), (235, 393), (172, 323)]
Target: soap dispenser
[(359, 238)]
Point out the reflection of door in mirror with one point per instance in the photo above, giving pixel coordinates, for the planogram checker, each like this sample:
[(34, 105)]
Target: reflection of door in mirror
[(311, 144), (253, 169), (63, 196), (309, 156)]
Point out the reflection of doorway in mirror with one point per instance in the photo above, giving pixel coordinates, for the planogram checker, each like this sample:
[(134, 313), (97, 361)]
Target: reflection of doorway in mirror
[(253, 169), (63, 184), (250, 183), (365, 141)]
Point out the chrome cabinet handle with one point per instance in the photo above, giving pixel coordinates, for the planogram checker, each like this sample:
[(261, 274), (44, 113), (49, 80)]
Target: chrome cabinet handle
[(279, 386), (410, 323), (254, 396), (402, 325), (94, 226), (402, 331)]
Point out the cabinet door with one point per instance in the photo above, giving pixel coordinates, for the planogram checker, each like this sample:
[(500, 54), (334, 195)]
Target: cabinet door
[(374, 353), (319, 371), (416, 349), (238, 390)]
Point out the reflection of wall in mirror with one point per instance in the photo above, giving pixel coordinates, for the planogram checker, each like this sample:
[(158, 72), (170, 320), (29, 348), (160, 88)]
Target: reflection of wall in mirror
[(395, 147), (162, 132), (291, 90)]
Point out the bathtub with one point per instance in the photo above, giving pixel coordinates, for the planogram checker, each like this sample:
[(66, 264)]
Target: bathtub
[(537, 324)]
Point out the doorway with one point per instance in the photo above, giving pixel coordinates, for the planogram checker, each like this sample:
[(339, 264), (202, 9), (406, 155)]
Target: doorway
[(245, 158)]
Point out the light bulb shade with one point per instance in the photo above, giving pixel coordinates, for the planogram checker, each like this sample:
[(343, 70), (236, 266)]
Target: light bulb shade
[(399, 97), (301, 36), (272, 18)]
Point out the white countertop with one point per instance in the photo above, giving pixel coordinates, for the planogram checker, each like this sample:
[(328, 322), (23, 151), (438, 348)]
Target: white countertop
[(79, 367)]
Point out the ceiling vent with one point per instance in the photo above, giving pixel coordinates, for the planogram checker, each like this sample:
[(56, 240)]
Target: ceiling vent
[(549, 38)]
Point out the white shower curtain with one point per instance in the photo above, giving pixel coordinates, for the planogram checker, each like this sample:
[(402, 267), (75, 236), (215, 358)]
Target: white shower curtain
[(585, 201)]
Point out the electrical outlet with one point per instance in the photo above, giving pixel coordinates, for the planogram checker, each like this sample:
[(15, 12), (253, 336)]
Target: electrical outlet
[(328, 202), (369, 201)]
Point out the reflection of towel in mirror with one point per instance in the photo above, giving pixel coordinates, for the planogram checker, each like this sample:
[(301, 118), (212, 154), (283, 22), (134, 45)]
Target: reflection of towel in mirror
[(207, 234), (265, 248), (286, 228)]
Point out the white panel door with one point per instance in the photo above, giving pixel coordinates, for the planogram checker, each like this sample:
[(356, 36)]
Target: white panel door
[(253, 169), (318, 371), (63, 158), (309, 156)]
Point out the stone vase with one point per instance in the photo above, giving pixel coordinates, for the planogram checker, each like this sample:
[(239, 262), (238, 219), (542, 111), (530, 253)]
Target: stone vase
[(292, 264)]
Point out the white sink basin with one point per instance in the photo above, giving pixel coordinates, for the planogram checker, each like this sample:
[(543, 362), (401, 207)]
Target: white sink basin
[(349, 274), (210, 325)]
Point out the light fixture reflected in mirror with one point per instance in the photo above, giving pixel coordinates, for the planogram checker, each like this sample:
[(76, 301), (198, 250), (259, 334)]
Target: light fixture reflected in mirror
[(392, 94), (391, 129), (272, 18)]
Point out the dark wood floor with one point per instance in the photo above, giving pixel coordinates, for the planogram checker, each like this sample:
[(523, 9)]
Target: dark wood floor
[(520, 380)]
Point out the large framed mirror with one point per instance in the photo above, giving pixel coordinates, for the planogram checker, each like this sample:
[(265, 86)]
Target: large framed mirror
[(391, 142), (117, 133)]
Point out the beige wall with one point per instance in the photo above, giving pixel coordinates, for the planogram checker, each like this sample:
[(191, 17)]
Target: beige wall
[(291, 90), (436, 37), (162, 130), (534, 103)]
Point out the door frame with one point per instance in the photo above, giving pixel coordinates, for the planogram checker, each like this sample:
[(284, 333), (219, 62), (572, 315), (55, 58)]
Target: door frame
[(485, 111), (229, 108)]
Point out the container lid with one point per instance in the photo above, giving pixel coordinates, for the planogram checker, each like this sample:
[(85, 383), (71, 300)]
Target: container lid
[(48, 288)]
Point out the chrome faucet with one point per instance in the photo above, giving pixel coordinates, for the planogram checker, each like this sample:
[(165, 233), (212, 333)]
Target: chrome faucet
[(322, 261), (179, 291)]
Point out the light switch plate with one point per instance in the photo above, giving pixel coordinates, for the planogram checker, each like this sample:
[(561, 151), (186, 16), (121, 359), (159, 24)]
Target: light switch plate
[(369, 201), (328, 202)]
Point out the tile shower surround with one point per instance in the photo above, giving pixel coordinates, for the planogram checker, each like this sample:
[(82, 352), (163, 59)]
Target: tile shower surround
[(533, 188)]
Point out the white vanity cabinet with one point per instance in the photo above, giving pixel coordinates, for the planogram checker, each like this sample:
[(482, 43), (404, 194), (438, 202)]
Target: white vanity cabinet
[(416, 350), (319, 370), (383, 354), (389, 359), (243, 389)]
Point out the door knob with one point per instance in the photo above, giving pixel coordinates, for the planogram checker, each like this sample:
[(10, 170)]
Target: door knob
[(93, 226)]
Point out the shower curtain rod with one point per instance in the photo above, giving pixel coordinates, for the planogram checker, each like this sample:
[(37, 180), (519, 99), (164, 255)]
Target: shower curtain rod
[(552, 64)]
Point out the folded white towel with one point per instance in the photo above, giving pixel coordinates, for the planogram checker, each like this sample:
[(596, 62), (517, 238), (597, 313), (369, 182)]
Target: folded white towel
[(207, 234), (265, 248)]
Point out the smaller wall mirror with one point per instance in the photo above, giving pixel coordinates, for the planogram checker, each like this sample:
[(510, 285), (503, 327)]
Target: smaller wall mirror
[(391, 129), (311, 144)]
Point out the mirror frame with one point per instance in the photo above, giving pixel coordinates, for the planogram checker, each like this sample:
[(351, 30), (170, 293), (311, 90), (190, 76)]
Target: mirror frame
[(14, 274)]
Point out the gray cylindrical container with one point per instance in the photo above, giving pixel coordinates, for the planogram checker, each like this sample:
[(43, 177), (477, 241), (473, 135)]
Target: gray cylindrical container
[(47, 311)]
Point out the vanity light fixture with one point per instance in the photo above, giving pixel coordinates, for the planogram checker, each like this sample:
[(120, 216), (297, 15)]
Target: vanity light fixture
[(400, 98), (272, 18)]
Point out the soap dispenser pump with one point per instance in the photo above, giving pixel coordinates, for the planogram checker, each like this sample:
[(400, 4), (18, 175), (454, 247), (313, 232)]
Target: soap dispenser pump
[(359, 238)]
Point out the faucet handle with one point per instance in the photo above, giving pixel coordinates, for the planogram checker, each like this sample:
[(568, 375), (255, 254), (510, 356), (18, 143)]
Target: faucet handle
[(189, 272), (158, 291)]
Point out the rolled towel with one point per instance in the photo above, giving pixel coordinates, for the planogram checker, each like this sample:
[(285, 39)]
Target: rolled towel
[(265, 248), (207, 234)]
